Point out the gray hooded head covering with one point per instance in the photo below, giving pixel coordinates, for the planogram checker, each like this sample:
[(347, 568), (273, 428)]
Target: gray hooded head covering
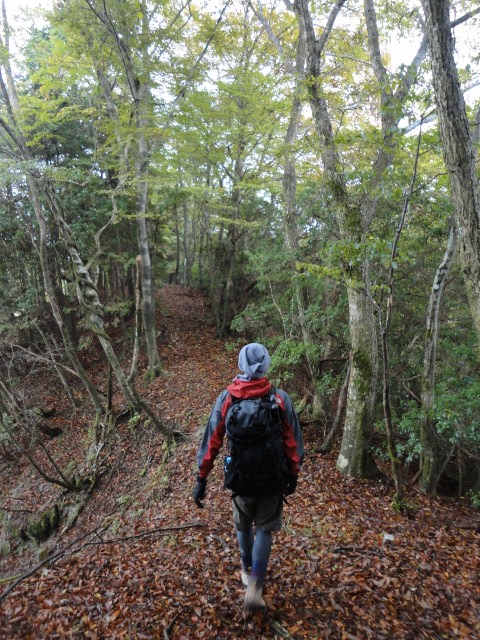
[(253, 361)]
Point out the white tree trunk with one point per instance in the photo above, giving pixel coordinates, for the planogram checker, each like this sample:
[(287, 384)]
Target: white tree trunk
[(432, 457)]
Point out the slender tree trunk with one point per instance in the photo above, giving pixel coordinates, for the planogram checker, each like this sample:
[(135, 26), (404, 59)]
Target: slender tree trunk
[(58, 370), (148, 286), (291, 213), (56, 309), (138, 322), (89, 300), (174, 277), (458, 150), (433, 449), (140, 95), (189, 247), (227, 298), (228, 289), (326, 446), (9, 407)]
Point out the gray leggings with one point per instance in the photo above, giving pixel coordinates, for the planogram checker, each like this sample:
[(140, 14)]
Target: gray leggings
[(255, 551)]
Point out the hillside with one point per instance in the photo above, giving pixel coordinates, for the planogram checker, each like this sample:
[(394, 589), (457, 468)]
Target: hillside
[(143, 562)]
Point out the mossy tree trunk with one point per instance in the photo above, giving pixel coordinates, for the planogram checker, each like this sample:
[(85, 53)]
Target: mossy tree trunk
[(290, 216), (434, 451), (355, 457), (458, 150), (354, 219)]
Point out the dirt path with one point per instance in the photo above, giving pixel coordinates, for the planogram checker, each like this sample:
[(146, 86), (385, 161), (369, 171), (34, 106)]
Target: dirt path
[(195, 359)]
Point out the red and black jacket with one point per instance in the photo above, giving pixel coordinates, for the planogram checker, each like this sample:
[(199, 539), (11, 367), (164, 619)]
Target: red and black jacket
[(215, 429)]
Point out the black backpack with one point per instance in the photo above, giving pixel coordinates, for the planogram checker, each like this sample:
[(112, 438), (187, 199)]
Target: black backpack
[(255, 464)]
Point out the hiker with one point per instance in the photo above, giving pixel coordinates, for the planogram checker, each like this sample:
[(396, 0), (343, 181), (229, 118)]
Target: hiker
[(257, 499)]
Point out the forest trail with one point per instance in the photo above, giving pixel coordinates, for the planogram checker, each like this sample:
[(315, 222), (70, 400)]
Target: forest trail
[(163, 569)]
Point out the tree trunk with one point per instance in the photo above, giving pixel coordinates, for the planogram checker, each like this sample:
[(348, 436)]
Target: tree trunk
[(56, 309), (355, 457), (291, 214), (140, 95), (326, 445), (189, 245), (148, 286), (138, 322), (89, 300), (433, 453), (227, 297), (458, 150)]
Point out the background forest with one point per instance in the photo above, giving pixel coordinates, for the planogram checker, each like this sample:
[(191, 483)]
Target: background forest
[(301, 164)]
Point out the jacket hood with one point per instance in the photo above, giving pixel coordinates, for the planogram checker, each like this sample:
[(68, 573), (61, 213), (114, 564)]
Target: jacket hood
[(249, 388)]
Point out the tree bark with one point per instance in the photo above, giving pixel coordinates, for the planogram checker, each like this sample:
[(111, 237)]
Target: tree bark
[(355, 457), (458, 150), (90, 302), (433, 455), (138, 322), (326, 446), (290, 207), (148, 286)]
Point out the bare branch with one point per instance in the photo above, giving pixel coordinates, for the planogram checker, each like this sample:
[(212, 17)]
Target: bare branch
[(191, 75), (289, 66), (464, 18), (40, 358)]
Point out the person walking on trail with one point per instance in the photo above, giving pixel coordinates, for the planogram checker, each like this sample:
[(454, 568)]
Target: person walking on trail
[(263, 459)]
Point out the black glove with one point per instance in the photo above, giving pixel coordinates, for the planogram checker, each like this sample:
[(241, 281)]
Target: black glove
[(291, 486), (199, 491)]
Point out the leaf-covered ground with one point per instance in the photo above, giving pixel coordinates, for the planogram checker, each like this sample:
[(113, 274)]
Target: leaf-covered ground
[(144, 562)]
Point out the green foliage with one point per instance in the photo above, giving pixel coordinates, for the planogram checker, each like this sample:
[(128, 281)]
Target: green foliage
[(456, 412), (409, 447), (403, 506), (287, 357)]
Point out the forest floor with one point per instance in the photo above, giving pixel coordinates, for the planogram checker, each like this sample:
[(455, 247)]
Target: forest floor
[(142, 562)]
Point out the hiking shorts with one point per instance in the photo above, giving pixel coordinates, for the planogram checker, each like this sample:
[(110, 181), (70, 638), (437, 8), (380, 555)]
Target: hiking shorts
[(265, 513)]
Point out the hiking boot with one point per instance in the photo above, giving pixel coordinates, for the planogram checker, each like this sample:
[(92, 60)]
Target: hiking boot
[(253, 596), (245, 577)]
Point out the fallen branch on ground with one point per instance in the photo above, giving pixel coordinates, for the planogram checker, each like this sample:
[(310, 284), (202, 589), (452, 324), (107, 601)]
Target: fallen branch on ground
[(150, 532), (166, 632), (470, 526), (373, 552), (95, 532), (48, 560)]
